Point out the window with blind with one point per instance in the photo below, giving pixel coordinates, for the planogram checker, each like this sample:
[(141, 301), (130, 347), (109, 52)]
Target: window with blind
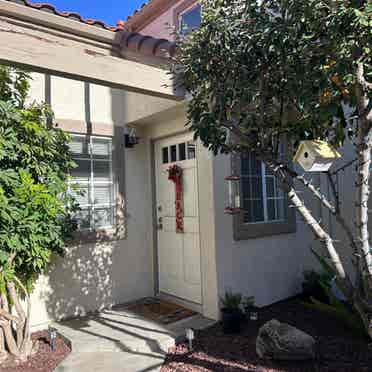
[(93, 182), (263, 200), (265, 206)]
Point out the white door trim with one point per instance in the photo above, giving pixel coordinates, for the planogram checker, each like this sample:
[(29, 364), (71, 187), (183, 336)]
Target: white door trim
[(179, 256), (205, 164)]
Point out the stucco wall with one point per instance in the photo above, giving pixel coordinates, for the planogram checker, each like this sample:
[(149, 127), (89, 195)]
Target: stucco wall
[(92, 276), (161, 27)]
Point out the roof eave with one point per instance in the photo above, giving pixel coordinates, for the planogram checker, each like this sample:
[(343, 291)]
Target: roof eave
[(148, 13), (52, 21)]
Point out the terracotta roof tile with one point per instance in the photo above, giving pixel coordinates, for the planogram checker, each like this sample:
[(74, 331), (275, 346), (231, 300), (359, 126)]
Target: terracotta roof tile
[(70, 15), (139, 9), (147, 45), (131, 41)]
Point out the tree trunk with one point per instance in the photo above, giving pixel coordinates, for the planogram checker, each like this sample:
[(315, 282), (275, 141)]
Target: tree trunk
[(362, 197), (342, 278), (364, 145), (15, 340)]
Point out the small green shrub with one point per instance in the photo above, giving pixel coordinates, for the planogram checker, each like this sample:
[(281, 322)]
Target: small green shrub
[(321, 297), (231, 301), (311, 286)]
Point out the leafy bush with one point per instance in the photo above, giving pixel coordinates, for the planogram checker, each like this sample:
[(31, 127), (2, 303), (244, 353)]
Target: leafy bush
[(36, 208)]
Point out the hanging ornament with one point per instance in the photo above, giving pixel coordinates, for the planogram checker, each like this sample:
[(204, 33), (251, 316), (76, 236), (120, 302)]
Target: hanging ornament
[(234, 195), (175, 175)]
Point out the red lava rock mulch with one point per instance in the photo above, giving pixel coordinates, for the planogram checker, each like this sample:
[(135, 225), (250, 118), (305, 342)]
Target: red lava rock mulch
[(46, 359), (338, 350)]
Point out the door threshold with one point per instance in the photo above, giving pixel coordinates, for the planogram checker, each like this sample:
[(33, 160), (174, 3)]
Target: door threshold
[(181, 302)]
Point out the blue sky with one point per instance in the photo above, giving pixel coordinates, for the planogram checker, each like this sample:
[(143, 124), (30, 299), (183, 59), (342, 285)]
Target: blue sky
[(108, 11)]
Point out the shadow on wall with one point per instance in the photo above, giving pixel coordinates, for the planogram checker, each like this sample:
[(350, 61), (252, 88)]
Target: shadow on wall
[(81, 281), (98, 275), (84, 279)]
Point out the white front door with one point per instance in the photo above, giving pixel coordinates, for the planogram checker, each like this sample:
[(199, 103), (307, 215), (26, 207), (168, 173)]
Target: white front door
[(178, 253)]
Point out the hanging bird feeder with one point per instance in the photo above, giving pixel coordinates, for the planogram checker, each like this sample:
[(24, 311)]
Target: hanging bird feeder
[(316, 156), (234, 195)]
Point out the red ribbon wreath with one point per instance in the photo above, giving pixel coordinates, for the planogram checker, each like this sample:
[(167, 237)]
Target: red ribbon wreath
[(175, 175)]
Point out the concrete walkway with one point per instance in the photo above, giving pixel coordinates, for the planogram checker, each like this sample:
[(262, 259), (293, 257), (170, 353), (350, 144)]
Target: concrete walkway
[(120, 341)]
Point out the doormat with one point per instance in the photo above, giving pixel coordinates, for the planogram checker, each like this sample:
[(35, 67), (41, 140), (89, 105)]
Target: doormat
[(160, 311)]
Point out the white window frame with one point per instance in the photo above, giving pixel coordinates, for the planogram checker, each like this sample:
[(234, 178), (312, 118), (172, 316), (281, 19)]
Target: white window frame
[(91, 206)]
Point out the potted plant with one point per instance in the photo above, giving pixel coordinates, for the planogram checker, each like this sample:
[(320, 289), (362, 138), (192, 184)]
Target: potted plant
[(231, 312), (250, 310)]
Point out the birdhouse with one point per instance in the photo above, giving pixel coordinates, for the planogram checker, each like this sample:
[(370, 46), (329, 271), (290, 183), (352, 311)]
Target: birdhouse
[(316, 155)]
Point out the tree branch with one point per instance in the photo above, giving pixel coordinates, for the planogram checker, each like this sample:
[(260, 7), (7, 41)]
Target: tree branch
[(8, 316), (342, 278)]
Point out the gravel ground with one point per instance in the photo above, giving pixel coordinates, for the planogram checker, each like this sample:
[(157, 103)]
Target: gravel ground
[(46, 359), (338, 351)]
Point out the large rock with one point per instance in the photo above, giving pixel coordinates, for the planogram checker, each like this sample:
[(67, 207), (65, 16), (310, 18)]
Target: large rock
[(281, 341)]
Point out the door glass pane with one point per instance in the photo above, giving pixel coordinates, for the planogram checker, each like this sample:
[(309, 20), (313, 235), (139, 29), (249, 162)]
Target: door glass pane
[(82, 172), (182, 151), (173, 151), (191, 150), (165, 155), (101, 171)]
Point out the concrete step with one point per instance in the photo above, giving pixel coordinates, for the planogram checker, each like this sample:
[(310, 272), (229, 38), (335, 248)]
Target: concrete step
[(111, 331), (119, 340)]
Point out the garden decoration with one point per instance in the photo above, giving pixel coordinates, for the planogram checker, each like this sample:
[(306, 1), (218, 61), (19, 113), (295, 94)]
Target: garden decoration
[(190, 335), (52, 332), (175, 175), (234, 194)]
